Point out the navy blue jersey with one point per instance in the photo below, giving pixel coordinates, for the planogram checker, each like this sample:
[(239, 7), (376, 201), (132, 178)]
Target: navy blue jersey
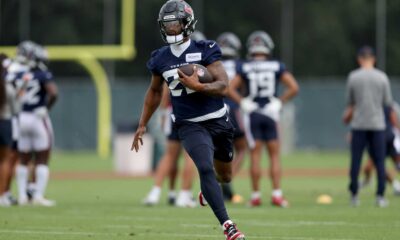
[(230, 66), (186, 103), (261, 78), (35, 95)]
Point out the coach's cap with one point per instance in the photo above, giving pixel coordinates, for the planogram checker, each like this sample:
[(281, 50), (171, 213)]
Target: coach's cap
[(366, 51)]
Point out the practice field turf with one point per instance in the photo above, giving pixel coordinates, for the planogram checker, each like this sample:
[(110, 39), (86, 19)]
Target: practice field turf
[(100, 206)]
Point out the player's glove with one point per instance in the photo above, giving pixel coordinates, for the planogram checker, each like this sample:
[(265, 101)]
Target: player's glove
[(247, 105), (41, 112), (273, 108)]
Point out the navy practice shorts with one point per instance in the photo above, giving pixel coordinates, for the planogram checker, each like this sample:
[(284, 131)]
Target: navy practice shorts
[(263, 127), (5, 133), (173, 135), (215, 133), (238, 132)]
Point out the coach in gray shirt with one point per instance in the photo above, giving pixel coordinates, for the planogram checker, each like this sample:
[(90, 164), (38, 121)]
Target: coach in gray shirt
[(368, 92)]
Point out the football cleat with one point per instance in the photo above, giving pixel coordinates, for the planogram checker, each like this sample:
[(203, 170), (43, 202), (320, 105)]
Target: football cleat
[(4, 201), (185, 203), (41, 201), (381, 202), (255, 202), (23, 201), (354, 201), (279, 202), (150, 201), (202, 200), (12, 200), (171, 200), (231, 232)]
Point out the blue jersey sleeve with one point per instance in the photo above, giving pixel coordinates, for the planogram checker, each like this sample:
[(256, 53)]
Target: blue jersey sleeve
[(44, 76), (282, 69), (211, 52), (152, 63)]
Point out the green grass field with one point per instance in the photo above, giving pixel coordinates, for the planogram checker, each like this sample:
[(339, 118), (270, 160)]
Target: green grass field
[(111, 208)]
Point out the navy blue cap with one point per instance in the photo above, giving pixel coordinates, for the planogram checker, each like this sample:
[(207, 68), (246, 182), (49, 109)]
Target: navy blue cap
[(366, 51)]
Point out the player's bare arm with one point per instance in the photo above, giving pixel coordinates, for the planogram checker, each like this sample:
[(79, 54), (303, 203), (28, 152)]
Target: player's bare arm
[(291, 86), (52, 93), (348, 114), (219, 87), (151, 102)]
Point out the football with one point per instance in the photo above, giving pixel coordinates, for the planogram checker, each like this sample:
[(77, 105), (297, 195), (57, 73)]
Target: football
[(202, 72)]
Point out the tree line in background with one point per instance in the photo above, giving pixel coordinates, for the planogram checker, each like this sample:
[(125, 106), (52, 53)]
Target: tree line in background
[(326, 34)]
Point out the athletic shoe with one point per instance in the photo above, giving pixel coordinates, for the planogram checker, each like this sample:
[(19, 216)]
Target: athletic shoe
[(4, 201), (23, 201), (185, 203), (202, 200), (151, 200), (12, 200), (255, 202), (237, 199), (171, 200), (279, 202), (41, 201), (396, 187), (381, 202), (185, 199), (354, 201), (231, 232), (30, 193)]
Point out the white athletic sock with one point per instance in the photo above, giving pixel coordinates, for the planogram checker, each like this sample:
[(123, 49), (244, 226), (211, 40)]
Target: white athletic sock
[(42, 177), (277, 193), (21, 174), (255, 195), (226, 224)]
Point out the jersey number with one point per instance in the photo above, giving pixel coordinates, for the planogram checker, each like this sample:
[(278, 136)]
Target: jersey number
[(31, 95), (262, 84), (174, 85)]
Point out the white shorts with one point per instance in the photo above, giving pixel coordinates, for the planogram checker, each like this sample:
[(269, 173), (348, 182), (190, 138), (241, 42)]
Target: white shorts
[(36, 132)]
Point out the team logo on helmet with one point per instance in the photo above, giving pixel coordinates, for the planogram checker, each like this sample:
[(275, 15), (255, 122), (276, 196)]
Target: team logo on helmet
[(188, 9)]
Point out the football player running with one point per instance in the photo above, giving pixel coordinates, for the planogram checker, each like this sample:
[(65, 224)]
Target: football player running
[(36, 133), (168, 165), (230, 48), (199, 114), (261, 75)]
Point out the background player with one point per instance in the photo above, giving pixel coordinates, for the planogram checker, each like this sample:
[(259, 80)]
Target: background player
[(392, 138), (36, 133), (201, 120), (261, 76), (230, 48)]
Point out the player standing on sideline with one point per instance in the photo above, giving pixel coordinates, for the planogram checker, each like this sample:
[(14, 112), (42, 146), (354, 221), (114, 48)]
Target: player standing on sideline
[(230, 48), (367, 93), (392, 138), (36, 133), (199, 113), (7, 108), (168, 164), (261, 76)]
